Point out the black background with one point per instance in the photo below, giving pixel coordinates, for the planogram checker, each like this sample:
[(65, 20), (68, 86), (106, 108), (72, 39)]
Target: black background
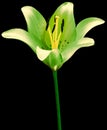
[(26, 86)]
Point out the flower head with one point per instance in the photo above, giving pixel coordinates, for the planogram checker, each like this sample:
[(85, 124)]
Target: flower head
[(56, 41)]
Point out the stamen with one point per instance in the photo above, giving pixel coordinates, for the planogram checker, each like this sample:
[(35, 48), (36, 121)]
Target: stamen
[(59, 37), (54, 36), (56, 27)]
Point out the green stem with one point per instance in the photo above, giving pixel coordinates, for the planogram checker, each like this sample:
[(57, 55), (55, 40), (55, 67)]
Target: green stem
[(57, 100)]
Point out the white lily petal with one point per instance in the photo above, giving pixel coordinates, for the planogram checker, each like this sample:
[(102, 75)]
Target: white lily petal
[(22, 35), (86, 42), (36, 23), (72, 48), (87, 24), (42, 54)]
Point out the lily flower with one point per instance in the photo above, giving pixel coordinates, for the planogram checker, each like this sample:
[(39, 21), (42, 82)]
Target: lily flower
[(56, 41)]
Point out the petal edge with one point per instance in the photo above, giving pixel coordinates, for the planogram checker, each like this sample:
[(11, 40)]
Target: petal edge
[(42, 54), (36, 23), (22, 35), (86, 25)]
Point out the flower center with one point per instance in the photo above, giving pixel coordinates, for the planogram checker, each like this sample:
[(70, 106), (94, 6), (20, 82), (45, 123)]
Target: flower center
[(54, 35)]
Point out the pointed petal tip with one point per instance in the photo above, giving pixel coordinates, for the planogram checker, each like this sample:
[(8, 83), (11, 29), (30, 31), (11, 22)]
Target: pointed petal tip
[(86, 42), (27, 10), (68, 3), (101, 21), (24, 8), (66, 6), (4, 34), (11, 33)]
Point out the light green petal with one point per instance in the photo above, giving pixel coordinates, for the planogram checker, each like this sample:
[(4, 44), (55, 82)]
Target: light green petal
[(54, 60), (42, 54), (72, 48), (85, 42), (87, 24), (69, 51), (66, 22), (22, 35), (69, 32), (35, 21)]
